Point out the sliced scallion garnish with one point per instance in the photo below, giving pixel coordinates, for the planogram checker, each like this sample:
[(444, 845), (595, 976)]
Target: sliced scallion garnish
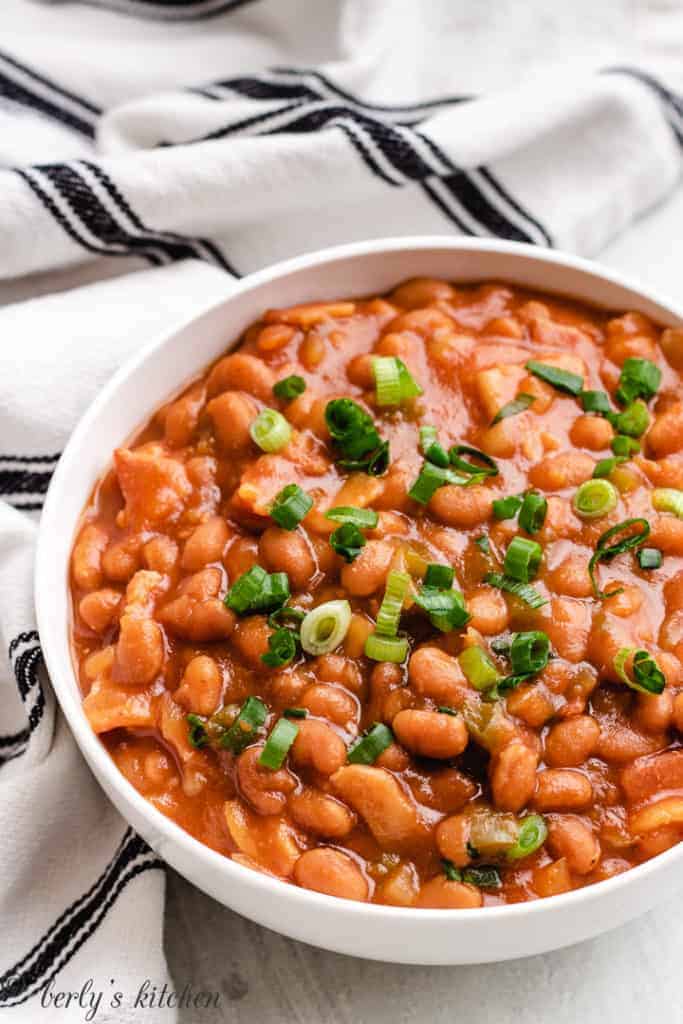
[(605, 552), (532, 834), (484, 876), (394, 382), (430, 478), (595, 498), (289, 387), (522, 559), (507, 508), (325, 627), (533, 512), (282, 648), (428, 436), (649, 558), (347, 541), (624, 446), (446, 608), (524, 591), (291, 505), (278, 743), (295, 712), (258, 591), (392, 603), (386, 648), (639, 378), (249, 720), (562, 380), (437, 455), (355, 435), (647, 675), (364, 518), (634, 420), (668, 499), (368, 748), (604, 467), (529, 652), (438, 575), (485, 465), (519, 404), (478, 668), (270, 430), (596, 401)]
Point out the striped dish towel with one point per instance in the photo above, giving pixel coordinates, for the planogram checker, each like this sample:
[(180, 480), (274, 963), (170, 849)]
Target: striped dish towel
[(150, 152)]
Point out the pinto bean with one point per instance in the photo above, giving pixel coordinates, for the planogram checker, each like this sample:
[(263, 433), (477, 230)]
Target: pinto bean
[(661, 814), (86, 560), (571, 742), (464, 507), (160, 554), (593, 432), (369, 571), (430, 733), (241, 372), (647, 775), (439, 892), (287, 551), (231, 415), (572, 838), (331, 872), (654, 712), (489, 611), (555, 472), (140, 651), (250, 639), (333, 703), (400, 888), (452, 839), (201, 686), (513, 776), (99, 609), (562, 789), (205, 544), (437, 675), (335, 668), (121, 560), (377, 797), (421, 291), (264, 789), (665, 436), (321, 814), (318, 746)]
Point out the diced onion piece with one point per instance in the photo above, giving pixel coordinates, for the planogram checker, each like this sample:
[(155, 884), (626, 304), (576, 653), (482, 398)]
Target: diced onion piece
[(325, 627)]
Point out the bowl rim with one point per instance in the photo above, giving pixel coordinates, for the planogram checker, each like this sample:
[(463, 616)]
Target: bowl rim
[(61, 675)]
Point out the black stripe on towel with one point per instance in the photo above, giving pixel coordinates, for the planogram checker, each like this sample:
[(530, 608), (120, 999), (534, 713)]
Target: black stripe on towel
[(171, 10)]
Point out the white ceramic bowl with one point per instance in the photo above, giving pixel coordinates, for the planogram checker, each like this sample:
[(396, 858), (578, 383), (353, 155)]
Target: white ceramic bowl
[(377, 932)]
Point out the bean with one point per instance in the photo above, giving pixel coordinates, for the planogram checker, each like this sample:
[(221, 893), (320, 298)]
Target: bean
[(287, 688), (619, 743), (274, 337), (400, 888), (321, 814), (421, 291), (196, 620), (647, 775), (250, 639), (437, 675), (570, 577), (661, 814), (269, 842), (562, 789), (360, 371), (665, 436), (160, 554), (678, 712), (241, 372), (637, 347), (335, 668), (439, 893), (333, 703), (331, 872), (155, 487), (666, 533), (464, 507), (201, 686), (287, 551), (240, 557), (572, 838), (551, 879), (497, 386), (531, 702), (205, 544), (140, 651), (121, 560), (264, 789), (377, 797), (99, 609), (86, 560), (310, 313), (654, 712), (593, 432), (452, 839), (489, 611), (358, 632), (513, 776), (571, 742), (318, 746), (430, 733), (231, 415), (421, 321), (671, 343), (369, 571), (182, 417), (555, 472)]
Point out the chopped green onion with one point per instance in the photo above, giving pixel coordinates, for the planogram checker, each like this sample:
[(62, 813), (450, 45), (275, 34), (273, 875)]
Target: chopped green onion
[(365, 518), (278, 743), (251, 717), (596, 401), (484, 877), (533, 832), (386, 648), (430, 478), (647, 675), (508, 683), (452, 873), (258, 591), (483, 544), (524, 591), (270, 430), (529, 652), (649, 558), (447, 711), (197, 734), (347, 541), (290, 506), (295, 712), (392, 603), (289, 387), (595, 498), (428, 437), (354, 433), (668, 499), (604, 467), (489, 468), (522, 559), (282, 648), (563, 380), (393, 381), (624, 446), (533, 512), (286, 614), (507, 508), (634, 420), (519, 404), (367, 748), (438, 575), (437, 455), (639, 378), (446, 608), (325, 627), (605, 552), (478, 668)]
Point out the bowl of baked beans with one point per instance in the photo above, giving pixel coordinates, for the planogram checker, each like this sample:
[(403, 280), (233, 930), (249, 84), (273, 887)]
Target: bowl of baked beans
[(362, 594)]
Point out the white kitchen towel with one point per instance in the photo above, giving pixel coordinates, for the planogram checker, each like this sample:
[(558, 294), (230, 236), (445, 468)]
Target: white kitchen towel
[(163, 147)]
